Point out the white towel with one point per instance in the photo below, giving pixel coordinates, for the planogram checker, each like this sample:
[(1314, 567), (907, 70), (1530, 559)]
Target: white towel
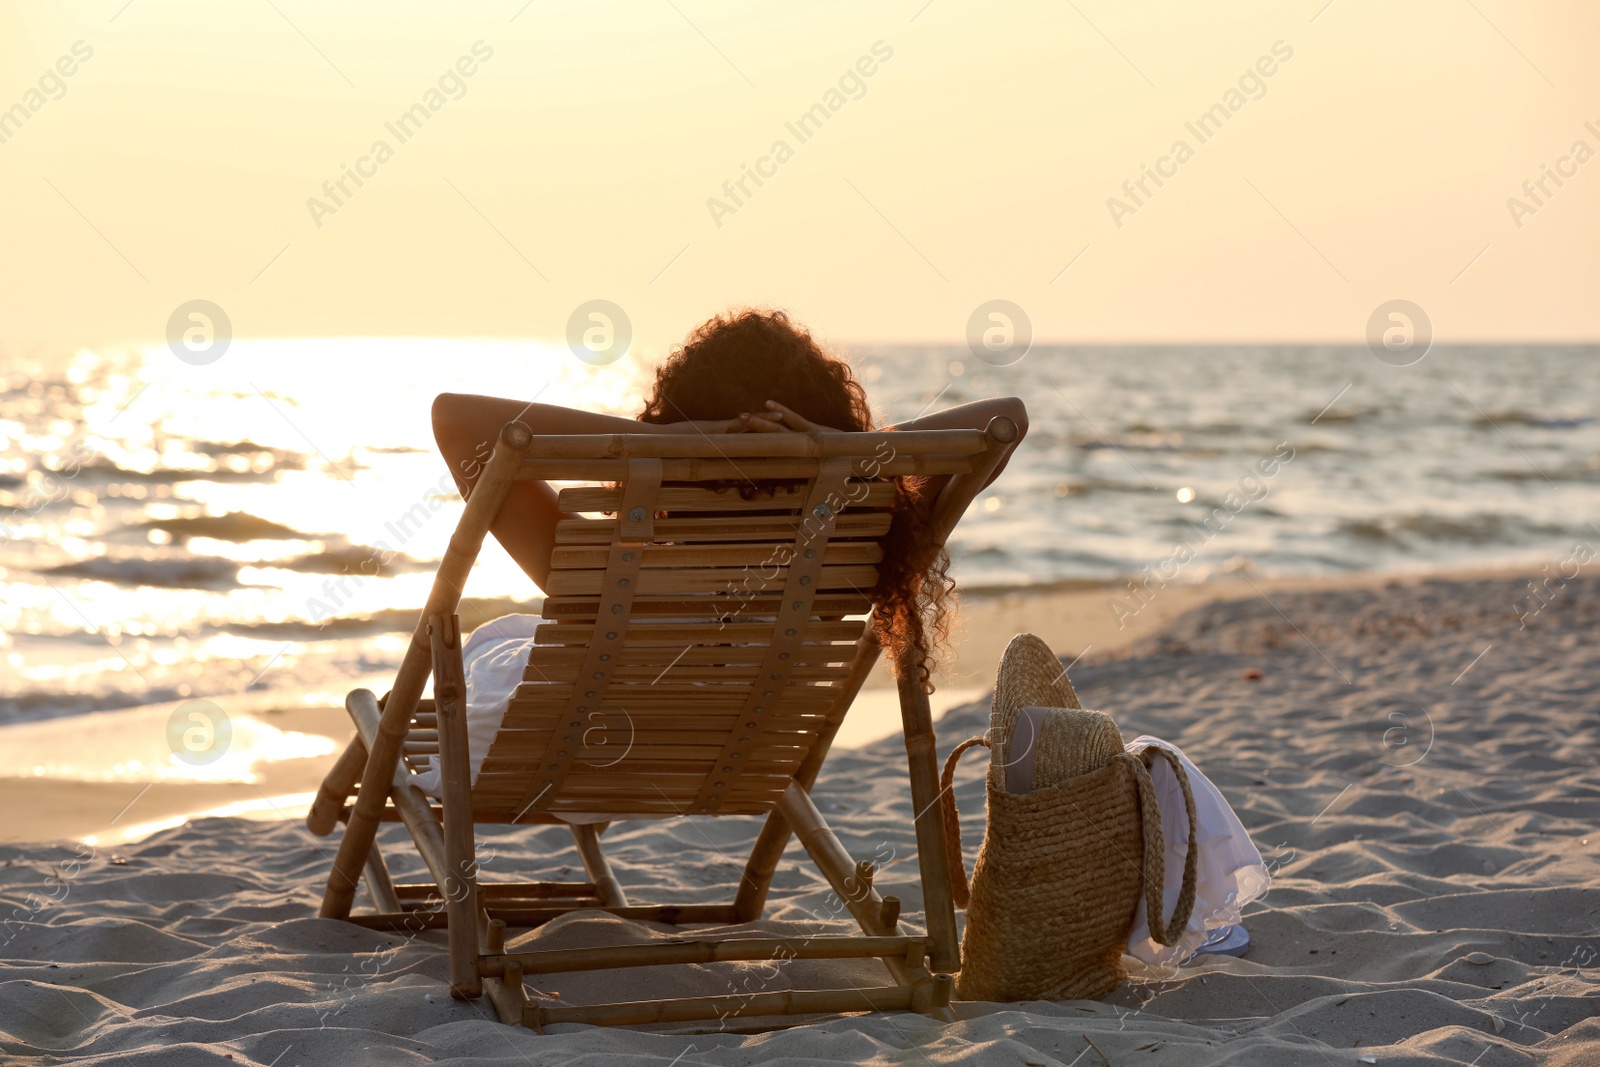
[(493, 658), (1228, 870)]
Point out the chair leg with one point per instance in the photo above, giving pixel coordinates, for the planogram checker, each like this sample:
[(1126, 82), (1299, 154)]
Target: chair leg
[(385, 743), (768, 852), (361, 827), (380, 883), (505, 992), (606, 887), (938, 902), (852, 881), (337, 785), (353, 856), (842, 872), (751, 899), (460, 886)]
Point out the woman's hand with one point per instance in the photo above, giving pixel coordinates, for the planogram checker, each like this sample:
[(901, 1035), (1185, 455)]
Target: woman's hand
[(779, 419), (757, 422), (775, 419)]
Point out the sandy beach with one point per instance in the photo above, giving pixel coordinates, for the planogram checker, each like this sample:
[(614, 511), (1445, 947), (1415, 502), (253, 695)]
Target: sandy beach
[(1415, 762), (1247, 361)]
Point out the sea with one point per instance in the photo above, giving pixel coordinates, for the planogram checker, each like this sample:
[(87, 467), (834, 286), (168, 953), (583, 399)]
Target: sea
[(172, 530)]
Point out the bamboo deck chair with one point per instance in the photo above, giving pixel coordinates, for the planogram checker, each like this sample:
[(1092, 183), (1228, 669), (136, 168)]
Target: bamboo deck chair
[(730, 713)]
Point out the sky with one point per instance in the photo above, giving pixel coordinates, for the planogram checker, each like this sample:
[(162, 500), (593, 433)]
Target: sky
[(956, 153)]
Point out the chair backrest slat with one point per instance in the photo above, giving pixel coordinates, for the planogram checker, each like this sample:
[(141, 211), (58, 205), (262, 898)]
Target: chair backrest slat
[(882, 445), (698, 638), (600, 498), (751, 554), (721, 605), (714, 528), (545, 658), (678, 634), (724, 469), (709, 580)]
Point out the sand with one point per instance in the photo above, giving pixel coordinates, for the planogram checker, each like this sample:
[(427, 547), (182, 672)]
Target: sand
[(1417, 766)]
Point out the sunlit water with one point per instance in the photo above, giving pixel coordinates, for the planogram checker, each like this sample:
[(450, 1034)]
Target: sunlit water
[(174, 531)]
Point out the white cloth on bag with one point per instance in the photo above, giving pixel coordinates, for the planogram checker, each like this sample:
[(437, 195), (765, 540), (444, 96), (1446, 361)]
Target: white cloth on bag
[(1228, 870), (493, 659)]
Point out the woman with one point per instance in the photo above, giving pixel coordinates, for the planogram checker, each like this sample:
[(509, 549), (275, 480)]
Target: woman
[(747, 372)]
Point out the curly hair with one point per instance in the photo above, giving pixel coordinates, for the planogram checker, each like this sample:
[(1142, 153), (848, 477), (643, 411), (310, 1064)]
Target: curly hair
[(734, 363)]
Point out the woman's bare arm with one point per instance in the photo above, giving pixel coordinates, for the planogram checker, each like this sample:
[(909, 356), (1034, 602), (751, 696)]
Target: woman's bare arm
[(976, 416), (466, 427), (973, 416)]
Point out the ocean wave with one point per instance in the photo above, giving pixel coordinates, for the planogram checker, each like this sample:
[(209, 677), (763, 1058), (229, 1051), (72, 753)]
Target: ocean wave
[(1480, 529), (1081, 486), (235, 526), (1518, 417), (191, 572), (245, 448), (216, 574), (473, 611), (1343, 416), (1161, 441), (353, 559), (1203, 506), (35, 705), (393, 620), (105, 472), (1590, 472)]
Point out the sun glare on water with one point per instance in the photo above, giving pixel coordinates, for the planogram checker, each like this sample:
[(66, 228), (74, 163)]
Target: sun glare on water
[(199, 521)]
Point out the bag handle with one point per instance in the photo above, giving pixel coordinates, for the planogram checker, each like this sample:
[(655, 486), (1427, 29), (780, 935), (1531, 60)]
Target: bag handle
[(954, 862), (1155, 867)]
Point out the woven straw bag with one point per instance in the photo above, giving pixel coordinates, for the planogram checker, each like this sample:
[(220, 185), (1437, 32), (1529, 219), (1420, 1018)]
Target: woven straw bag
[(1062, 867)]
